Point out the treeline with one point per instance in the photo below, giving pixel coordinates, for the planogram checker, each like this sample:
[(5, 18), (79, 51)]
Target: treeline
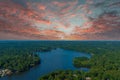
[(65, 75)]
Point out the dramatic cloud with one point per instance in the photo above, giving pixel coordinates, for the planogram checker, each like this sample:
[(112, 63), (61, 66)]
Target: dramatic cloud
[(60, 19)]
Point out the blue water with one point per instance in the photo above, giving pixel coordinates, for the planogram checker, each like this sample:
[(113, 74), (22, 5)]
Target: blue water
[(53, 60)]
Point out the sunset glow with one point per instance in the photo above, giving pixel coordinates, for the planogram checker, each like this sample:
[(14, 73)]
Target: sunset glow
[(60, 19)]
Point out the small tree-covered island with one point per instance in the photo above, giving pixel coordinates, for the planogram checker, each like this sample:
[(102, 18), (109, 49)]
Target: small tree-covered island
[(21, 56)]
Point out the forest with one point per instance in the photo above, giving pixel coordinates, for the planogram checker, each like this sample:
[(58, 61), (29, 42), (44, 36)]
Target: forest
[(18, 62), (14, 60), (104, 63)]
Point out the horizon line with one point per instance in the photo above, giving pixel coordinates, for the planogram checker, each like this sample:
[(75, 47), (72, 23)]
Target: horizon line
[(58, 40)]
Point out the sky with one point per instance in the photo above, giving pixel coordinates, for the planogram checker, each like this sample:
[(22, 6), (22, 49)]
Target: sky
[(59, 19)]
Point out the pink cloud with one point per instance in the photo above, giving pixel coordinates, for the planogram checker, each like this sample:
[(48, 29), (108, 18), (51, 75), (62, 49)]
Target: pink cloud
[(59, 4)]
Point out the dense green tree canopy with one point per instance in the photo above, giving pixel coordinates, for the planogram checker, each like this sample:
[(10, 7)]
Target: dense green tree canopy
[(104, 63)]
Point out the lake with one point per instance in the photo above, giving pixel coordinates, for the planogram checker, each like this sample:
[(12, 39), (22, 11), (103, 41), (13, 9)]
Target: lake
[(58, 59)]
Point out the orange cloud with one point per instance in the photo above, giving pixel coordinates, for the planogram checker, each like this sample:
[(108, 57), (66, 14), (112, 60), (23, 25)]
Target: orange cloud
[(41, 7)]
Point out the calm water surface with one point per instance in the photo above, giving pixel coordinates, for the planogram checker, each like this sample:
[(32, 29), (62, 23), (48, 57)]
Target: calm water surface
[(58, 59)]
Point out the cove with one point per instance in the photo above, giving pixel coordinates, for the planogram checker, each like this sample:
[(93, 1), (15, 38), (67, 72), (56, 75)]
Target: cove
[(58, 59)]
